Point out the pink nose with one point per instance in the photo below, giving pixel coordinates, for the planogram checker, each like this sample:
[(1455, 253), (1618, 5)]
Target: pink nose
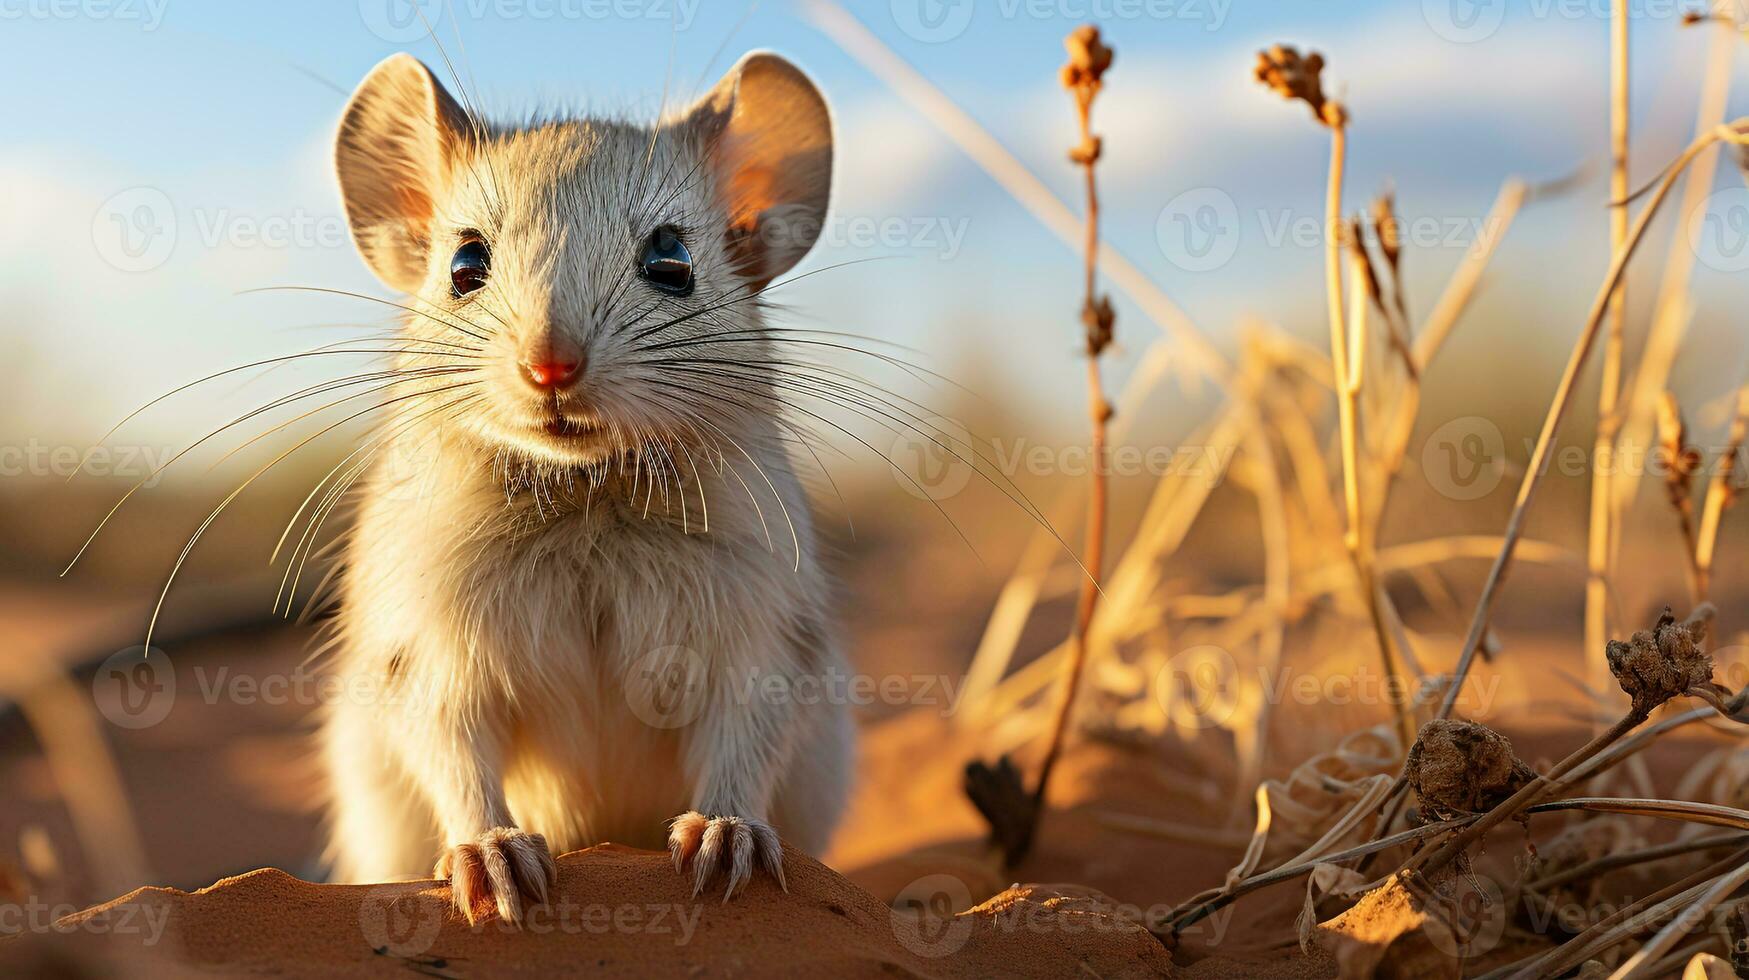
[(553, 371)]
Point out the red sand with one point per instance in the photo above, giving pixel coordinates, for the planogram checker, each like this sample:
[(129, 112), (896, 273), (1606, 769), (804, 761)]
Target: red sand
[(616, 912)]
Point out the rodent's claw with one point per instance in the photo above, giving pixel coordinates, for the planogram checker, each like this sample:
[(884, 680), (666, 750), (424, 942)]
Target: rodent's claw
[(726, 845), (498, 870)]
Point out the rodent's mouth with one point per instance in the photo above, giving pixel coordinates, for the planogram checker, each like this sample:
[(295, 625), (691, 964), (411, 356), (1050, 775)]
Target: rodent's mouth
[(564, 428)]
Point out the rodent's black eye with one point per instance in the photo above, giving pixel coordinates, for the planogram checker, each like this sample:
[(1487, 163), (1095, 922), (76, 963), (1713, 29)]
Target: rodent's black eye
[(468, 267), (666, 263)]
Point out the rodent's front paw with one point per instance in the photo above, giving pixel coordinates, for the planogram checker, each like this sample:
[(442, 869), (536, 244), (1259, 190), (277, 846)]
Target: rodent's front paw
[(728, 845), (498, 870)]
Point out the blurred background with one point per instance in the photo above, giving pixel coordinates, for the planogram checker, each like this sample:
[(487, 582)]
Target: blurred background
[(163, 158)]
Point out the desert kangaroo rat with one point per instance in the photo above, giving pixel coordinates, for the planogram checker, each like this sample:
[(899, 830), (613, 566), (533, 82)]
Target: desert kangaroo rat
[(583, 563)]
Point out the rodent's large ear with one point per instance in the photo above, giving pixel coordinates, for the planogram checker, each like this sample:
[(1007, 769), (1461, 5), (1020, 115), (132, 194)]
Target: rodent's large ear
[(397, 138), (769, 136)]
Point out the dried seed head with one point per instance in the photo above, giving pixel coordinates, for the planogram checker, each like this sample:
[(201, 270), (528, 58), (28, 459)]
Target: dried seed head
[(1088, 58), (1098, 318), (1656, 665), (1355, 240), (1283, 70), (1681, 458), (1458, 767), (1726, 478), (1384, 218)]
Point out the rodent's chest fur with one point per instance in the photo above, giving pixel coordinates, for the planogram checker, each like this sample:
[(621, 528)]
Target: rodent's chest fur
[(499, 588), (531, 626)]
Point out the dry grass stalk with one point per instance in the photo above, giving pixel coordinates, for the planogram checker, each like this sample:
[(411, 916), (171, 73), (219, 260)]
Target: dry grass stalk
[(1680, 461), (1720, 495), (1014, 819), (1537, 465), (1190, 347), (1201, 907), (1295, 78), (1089, 59), (1640, 964), (67, 725), (1390, 231), (1672, 309), (1604, 517), (1656, 665), (1614, 928)]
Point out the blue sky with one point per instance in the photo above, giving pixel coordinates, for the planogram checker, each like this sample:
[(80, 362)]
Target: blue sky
[(220, 113)]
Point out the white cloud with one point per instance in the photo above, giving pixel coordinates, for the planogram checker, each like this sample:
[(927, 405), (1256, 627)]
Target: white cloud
[(886, 156)]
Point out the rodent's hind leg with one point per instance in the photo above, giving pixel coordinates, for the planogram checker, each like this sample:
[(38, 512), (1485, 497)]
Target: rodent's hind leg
[(501, 870), (724, 845)]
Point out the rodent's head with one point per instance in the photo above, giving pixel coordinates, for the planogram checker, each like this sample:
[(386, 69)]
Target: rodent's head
[(602, 278)]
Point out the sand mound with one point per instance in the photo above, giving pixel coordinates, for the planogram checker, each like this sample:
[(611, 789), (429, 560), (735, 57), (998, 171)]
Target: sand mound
[(617, 912)]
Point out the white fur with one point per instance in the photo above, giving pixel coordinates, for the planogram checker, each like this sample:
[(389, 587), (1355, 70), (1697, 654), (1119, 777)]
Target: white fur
[(510, 591)]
